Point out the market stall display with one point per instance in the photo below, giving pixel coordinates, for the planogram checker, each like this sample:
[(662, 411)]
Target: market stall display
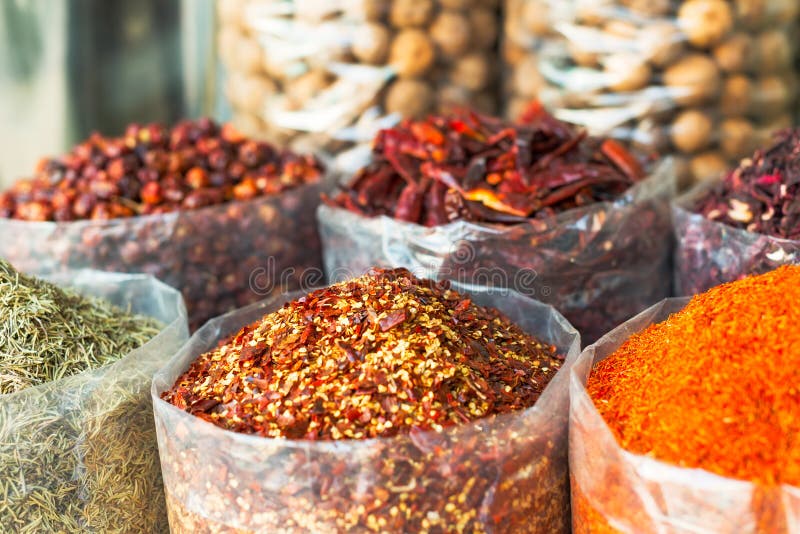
[(575, 221), (705, 80), (328, 74), (386, 402), (746, 223), (689, 418), (78, 447), (203, 208)]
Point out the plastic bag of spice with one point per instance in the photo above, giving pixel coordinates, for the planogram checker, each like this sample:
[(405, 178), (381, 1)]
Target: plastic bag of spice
[(221, 481), (614, 490), (199, 206), (745, 223), (324, 73), (709, 253), (79, 454), (597, 264), (704, 80)]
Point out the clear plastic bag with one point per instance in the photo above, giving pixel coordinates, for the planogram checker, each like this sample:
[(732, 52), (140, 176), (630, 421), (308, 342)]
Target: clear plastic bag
[(597, 265), (329, 73), (705, 80), (220, 257), (709, 253), (223, 482), (79, 454), (617, 491)]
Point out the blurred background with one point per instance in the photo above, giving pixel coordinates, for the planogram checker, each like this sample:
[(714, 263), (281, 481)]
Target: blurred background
[(70, 67)]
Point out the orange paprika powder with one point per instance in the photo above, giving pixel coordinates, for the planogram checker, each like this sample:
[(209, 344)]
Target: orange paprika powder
[(716, 386)]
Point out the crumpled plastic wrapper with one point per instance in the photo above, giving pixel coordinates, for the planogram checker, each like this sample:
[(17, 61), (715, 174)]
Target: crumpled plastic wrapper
[(597, 265), (500, 474), (709, 253), (79, 454), (220, 257), (616, 491)]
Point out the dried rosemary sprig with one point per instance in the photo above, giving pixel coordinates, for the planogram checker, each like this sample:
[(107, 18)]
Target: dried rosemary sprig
[(47, 333), (76, 456)]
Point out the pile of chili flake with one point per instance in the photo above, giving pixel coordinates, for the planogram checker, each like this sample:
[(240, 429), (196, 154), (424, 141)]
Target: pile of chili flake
[(472, 167), (372, 357), (715, 386), (763, 193)]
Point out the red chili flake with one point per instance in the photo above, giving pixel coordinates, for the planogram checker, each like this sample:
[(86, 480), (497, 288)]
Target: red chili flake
[(390, 368)]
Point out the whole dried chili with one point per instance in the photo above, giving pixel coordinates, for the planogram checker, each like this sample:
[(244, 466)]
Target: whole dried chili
[(714, 387), (747, 223), (199, 205), (477, 168), (388, 356), (538, 206)]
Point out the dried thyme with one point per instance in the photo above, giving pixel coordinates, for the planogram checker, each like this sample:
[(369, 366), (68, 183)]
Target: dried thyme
[(76, 455), (48, 333)]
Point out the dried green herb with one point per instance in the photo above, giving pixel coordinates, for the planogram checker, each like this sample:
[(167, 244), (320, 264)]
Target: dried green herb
[(47, 333), (76, 455)]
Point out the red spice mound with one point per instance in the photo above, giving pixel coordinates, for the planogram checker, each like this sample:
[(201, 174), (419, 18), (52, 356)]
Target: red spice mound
[(763, 194), (375, 356), (715, 386), (151, 170), (476, 168)]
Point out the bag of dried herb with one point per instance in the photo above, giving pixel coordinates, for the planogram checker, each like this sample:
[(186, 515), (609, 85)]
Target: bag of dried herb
[(571, 220), (199, 206), (77, 442), (690, 416), (746, 223), (384, 403)]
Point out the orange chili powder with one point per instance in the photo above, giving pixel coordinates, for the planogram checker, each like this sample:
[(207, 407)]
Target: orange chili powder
[(715, 386)]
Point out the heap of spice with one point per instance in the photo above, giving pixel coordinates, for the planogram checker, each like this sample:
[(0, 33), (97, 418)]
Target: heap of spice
[(476, 168), (152, 169), (81, 456), (372, 357), (713, 387), (386, 355), (762, 194), (199, 206), (48, 333)]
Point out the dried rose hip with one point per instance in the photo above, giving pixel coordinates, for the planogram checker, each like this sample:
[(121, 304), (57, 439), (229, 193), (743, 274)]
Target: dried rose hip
[(167, 202)]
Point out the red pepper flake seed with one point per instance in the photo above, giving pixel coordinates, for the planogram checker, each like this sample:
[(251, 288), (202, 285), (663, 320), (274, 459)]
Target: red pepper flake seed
[(372, 357)]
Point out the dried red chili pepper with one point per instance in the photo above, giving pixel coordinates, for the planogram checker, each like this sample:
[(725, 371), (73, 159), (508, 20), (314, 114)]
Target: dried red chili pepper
[(170, 202), (388, 356), (538, 206), (533, 169), (712, 386)]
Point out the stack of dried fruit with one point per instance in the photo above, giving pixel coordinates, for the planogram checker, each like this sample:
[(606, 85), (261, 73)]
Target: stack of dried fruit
[(208, 253), (712, 385), (540, 206), (747, 223), (410, 362)]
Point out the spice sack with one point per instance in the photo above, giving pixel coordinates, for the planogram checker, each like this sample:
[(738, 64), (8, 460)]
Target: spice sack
[(78, 452), (504, 472)]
